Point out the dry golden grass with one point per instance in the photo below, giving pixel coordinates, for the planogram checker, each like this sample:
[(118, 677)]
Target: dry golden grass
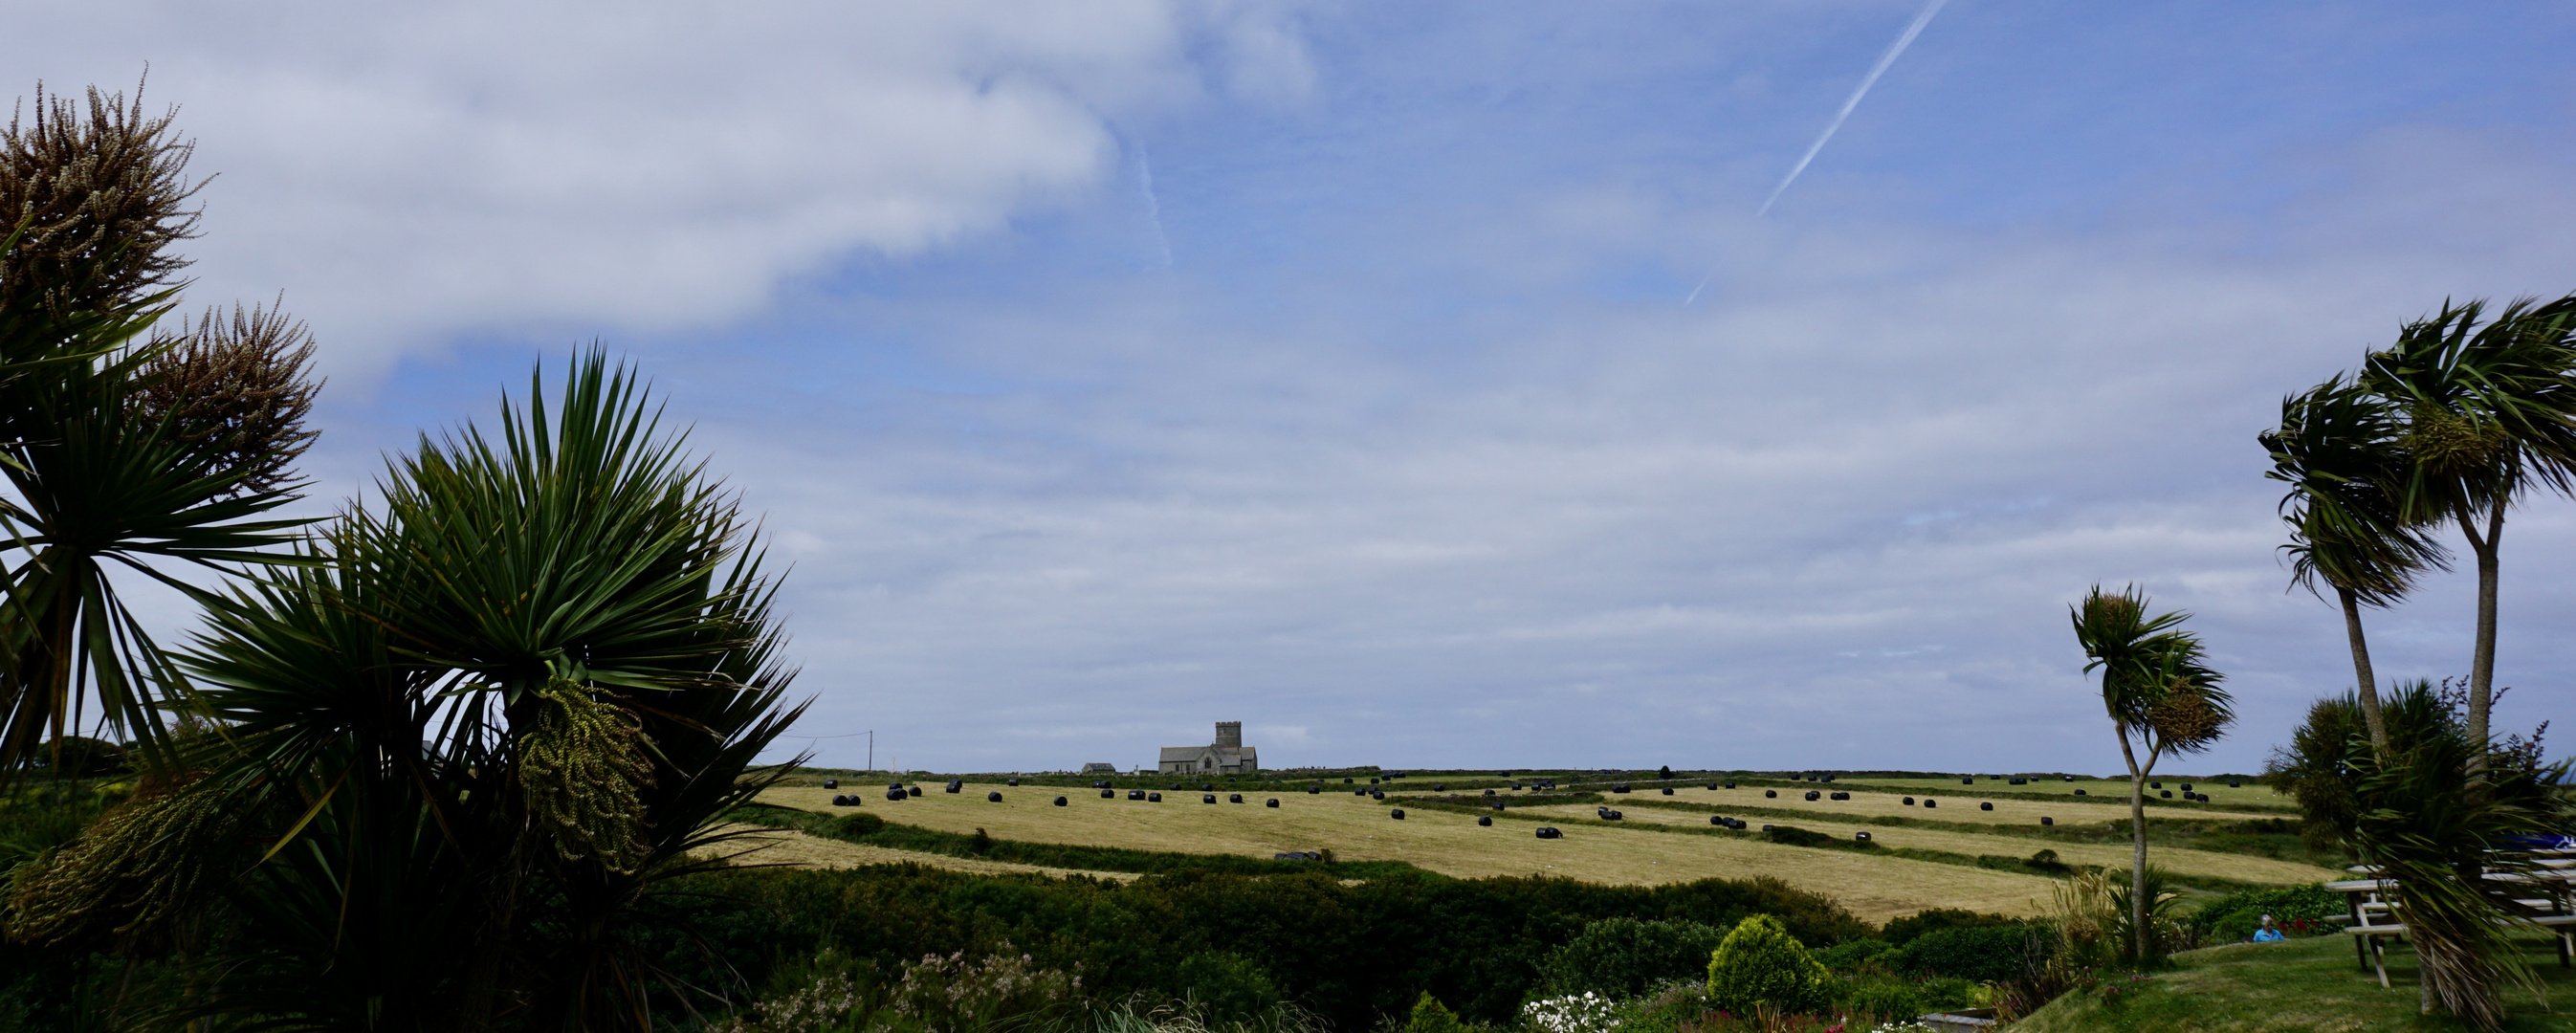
[(798, 850), (2001, 842), (1869, 803), (2252, 794), (1359, 829)]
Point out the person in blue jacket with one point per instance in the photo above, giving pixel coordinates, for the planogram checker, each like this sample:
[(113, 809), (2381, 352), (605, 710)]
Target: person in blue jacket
[(2267, 934)]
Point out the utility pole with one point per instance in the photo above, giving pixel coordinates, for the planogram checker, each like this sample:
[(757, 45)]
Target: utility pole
[(872, 749)]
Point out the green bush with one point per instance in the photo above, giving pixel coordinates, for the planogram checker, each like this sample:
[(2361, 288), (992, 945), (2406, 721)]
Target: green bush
[(1430, 1016), (1884, 997), (1621, 957), (1903, 930), (2234, 917), (1854, 955), (1759, 963), (1979, 953), (1665, 1010), (1228, 987)]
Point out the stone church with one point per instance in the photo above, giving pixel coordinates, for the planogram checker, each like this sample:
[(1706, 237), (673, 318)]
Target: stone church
[(1226, 756)]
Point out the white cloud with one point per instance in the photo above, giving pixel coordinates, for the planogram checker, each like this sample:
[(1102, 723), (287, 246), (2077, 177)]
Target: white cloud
[(407, 173)]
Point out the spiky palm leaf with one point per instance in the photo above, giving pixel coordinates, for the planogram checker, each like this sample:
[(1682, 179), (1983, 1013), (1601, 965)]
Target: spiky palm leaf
[(2160, 694), (384, 705), (2446, 829)]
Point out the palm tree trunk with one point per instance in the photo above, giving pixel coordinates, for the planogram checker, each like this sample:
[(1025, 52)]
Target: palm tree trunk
[(2361, 672), (2482, 661), (2138, 834)]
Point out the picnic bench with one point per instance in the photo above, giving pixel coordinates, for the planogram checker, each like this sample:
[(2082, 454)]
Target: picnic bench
[(2373, 920)]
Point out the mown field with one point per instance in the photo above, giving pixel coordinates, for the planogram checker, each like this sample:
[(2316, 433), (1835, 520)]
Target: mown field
[(1963, 862)]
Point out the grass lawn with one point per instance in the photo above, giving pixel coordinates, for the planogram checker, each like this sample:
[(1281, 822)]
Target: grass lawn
[(2300, 985)]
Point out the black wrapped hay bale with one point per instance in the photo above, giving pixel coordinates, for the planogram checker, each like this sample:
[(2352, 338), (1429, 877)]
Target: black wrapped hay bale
[(1014, 782), (1135, 794), (2017, 781), (1813, 796), (840, 801), (1968, 781), (1717, 820), (955, 785), (1312, 790), (914, 791), (1109, 794), (1486, 820), (2155, 785), (1860, 837), (2185, 787), (1549, 832), (1234, 797), (1207, 787), (2046, 820), (1730, 785), (1496, 802), (1489, 792), (1985, 806), (1909, 801), (1712, 786), (1209, 798), (1619, 788), (1770, 793), (2167, 794), (1668, 790), (1360, 792), (1840, 796), (997, 797), (1438, 788), (1272, 802), (1059, 801), (1397, 814), (1930, 802), (2070, 778), (1153, 798), (1766, 828), (2079, 792), (894, 794), (831, 783), (2235, 784)]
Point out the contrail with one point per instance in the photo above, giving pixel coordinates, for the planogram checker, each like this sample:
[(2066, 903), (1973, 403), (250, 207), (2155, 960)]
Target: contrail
[(1153, 204), (1893, 52)]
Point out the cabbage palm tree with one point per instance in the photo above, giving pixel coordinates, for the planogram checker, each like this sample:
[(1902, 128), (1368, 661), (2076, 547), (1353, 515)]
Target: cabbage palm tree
[(2340, 450), (2488, 411), (124, 451), (2161, 696), (524, 687)]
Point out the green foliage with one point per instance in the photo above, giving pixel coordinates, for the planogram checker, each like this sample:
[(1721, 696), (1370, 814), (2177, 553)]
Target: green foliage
[(1854, 955), (1976, 953), (1884, 997), (2436, 814), (2234, 917), (1230, 988), (1665, 1009), (1621, 957), (1759, 964), (1901, 931), (1430, 1016)]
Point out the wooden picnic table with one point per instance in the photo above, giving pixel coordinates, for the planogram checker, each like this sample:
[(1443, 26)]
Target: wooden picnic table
[(2557, 886)]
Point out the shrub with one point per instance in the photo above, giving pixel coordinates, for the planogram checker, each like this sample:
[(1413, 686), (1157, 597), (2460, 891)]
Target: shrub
[(1855, 955), (1666, 1010), (1979, 953), (1429, 1016), (1759, 963), (2234, 917), (1885, 998), (956, 995), (1621, 957), (1904, 930), (1228, 987)]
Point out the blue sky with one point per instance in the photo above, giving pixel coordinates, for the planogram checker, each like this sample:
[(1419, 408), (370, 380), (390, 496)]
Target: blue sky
[(1106, 370)]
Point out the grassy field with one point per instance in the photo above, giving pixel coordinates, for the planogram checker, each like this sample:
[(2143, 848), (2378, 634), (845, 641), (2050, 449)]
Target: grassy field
[(1870, 802), (2303, 985), (2211, 864), (1359, 829)]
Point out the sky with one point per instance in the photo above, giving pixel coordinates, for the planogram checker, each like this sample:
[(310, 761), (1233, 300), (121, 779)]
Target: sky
[(1417, 383)]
